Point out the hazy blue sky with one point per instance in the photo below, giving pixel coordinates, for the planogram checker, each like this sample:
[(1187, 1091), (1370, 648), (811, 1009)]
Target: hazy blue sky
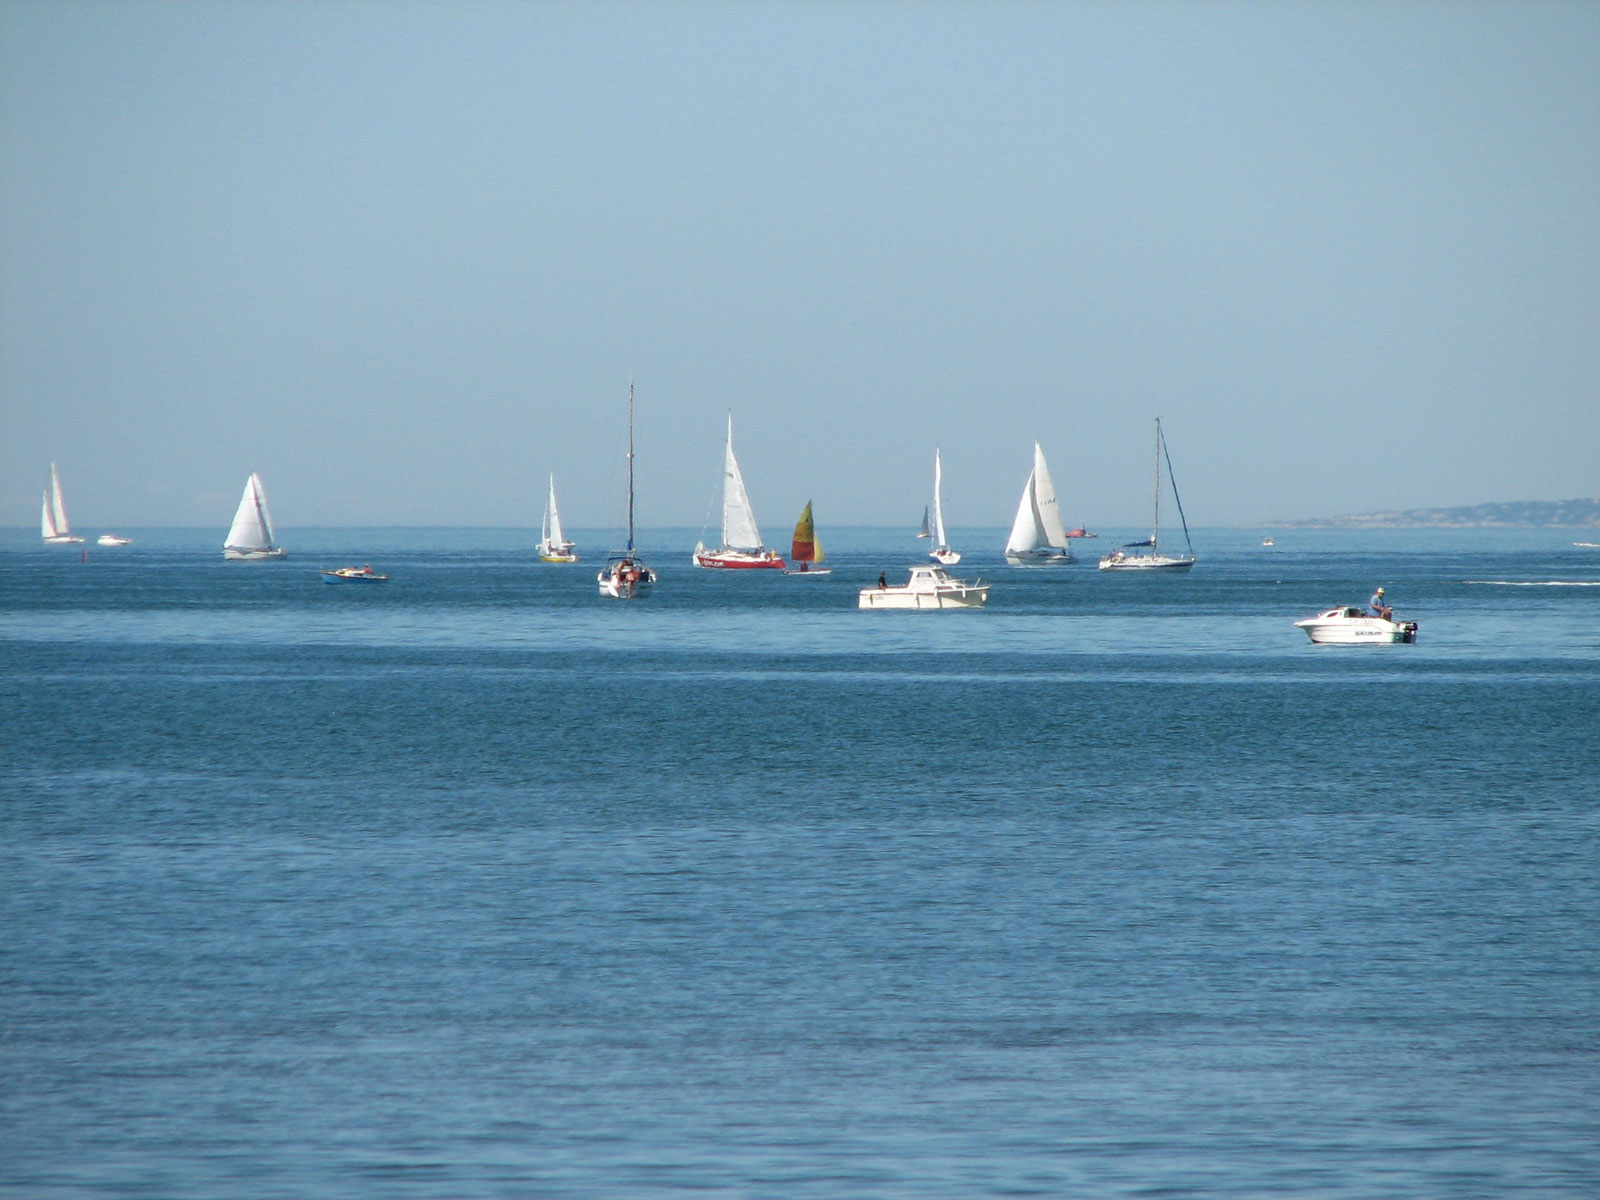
[(403, 258)]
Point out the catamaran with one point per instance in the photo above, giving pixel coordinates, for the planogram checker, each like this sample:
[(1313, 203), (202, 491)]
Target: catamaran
[(941, 552), (553, 546), (741, 547), (804, 547), (250, 537), (624, 576), (53, 526), (1038, 538), (1154, 560)]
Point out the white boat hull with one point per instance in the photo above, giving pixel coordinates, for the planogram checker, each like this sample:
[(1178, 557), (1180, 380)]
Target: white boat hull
[(1040, 558), (111, 539), (236, 554), (1352, 627), (1146, 562), (927, 588), (625, 580)]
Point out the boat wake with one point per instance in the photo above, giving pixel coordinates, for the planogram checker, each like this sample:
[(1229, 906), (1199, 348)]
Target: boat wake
[(1533, 582)]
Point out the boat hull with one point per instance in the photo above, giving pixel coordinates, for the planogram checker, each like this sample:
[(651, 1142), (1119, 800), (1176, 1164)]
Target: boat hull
[(111, 539), (353, 577), (739, 560), (1039, 558), (558, 558), (947, 558), (625, 580), (62, 539), (238, 554), (1344, 627), (1146, 562)]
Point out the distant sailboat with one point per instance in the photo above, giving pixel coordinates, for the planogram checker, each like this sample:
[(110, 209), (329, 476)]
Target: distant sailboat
[(741, 547), (53, 526), (925, 531), (941, 552), (625, 576), (804, 548), (1038, 538), (553, 546), (250, 537), (1154, 560)]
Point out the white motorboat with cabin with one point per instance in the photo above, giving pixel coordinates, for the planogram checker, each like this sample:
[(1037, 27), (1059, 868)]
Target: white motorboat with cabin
[(1349, 625), (929, 586)]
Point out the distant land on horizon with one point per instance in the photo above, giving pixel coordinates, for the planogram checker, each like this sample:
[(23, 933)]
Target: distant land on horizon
[(1547, 514)]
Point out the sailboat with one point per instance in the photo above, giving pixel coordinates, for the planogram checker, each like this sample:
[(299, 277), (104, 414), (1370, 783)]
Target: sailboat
[(553, 546), (1038, 539), (53, 527), (741, 547), (924, 531), (941, 552), (250, 537), (625, 576), (1154, 560), (804, 548)]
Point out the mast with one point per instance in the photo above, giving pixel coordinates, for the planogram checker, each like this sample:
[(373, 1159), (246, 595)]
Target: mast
[(630, 468), (1155, 529)]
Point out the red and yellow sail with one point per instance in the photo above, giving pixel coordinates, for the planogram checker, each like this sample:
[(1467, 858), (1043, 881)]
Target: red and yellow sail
[(805, 547)]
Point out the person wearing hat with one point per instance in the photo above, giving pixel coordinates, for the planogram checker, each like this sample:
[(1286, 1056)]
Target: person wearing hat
[(1377, 607)]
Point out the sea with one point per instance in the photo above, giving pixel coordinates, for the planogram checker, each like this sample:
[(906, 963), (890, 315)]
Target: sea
[(475, 883)]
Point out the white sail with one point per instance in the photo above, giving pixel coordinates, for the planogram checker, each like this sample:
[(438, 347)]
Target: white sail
[(940, 540), (739, 530), (1027, 533), (1038, 523), (552, 519), (251, 531), (53, 525)]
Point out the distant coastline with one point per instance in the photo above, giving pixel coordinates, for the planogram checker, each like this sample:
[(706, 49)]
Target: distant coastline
[(1516, 514)]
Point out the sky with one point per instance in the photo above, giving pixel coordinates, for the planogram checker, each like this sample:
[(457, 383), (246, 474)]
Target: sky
[(404, 259)]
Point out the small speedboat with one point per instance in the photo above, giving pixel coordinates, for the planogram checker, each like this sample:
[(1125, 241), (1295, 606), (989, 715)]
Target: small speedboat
[(1351, 626), (928, 587), (112, 539), (353, 575)]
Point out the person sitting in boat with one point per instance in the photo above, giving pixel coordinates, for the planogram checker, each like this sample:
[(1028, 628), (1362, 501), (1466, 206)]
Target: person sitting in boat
[(1377, 608)]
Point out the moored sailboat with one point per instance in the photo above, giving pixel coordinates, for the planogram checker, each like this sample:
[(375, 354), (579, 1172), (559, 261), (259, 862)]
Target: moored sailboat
[(941, 552), (53, 526), (250, 536), (804, 548), (1038, 538), (741, 547), (625, 576), (1152, 559), (554, 547)]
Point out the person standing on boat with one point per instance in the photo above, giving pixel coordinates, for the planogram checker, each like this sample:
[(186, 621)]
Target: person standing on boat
[(1377, 607)]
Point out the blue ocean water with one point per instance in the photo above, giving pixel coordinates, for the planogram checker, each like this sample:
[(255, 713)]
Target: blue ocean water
[(477, 884)]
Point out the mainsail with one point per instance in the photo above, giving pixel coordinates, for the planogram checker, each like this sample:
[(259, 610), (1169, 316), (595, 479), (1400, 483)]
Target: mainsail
[(1038, 522), (252, 526), (739, 530), (805, 547), (53, 524)]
